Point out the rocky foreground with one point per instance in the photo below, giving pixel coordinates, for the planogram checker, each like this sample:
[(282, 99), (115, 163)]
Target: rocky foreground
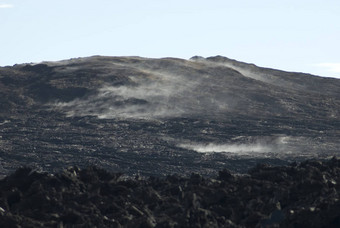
[(298, 195)]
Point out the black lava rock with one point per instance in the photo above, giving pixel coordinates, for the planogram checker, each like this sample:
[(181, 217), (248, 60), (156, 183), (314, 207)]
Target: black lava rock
[(303, 195)]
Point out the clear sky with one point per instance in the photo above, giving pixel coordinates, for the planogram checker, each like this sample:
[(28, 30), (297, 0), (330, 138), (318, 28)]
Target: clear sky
[(299, 35)]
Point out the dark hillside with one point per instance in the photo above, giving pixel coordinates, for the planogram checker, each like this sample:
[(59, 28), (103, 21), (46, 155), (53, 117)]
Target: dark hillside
[(159, 116)]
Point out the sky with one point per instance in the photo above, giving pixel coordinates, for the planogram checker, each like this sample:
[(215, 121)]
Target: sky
[(299, 35)]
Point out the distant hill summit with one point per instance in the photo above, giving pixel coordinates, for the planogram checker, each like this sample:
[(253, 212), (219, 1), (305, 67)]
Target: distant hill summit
[(154, 88)]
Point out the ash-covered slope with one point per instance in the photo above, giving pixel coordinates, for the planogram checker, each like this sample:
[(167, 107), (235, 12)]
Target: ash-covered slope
[(153, 115), (111, 87)]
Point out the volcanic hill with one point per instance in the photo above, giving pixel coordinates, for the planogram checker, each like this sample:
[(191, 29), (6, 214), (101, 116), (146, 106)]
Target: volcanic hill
[(161, 116)]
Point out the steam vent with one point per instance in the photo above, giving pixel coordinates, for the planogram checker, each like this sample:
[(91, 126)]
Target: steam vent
[(140, 142)]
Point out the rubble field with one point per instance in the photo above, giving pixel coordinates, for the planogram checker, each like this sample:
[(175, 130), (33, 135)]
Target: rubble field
[(297, 195)]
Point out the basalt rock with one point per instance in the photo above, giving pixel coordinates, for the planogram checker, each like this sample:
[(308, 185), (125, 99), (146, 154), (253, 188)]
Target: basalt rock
[(299, 195)]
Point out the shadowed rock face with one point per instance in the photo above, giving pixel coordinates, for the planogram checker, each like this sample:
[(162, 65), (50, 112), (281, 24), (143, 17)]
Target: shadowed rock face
[(159, 116), (304, 195)]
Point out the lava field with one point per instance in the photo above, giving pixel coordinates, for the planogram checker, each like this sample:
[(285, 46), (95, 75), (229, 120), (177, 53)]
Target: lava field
[(297, 195), (138, 142), (156, 117)]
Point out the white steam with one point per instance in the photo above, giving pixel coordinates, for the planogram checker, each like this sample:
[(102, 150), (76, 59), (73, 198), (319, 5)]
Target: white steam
[(149, 98), (151, 93), (229, 148), (247, 72), (244, 146)]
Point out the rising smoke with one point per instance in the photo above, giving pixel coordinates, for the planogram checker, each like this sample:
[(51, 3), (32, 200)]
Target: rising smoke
[(264, 145), (230, 148), (156, 93)]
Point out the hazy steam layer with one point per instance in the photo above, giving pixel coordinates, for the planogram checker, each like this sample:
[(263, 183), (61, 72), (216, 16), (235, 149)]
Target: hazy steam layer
[(230, 148), (155, 93), (246, 146), (160, 97), (266, 146), (133, 87)]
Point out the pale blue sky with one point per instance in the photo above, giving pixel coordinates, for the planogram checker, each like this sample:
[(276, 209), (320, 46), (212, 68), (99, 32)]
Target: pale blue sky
[(300, 35)]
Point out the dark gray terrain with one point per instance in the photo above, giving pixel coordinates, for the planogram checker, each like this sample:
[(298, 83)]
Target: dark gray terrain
[(161, 116), (199, 128)]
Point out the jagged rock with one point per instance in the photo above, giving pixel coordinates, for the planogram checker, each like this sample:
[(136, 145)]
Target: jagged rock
[(95, 197)]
